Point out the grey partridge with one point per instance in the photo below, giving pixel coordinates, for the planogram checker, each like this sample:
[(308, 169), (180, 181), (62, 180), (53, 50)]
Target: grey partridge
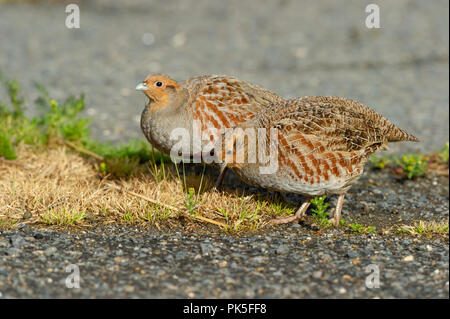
[(321, 147), (214, 101)]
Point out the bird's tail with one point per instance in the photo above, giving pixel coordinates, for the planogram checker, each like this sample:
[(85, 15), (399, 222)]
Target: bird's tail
[(395, 134)]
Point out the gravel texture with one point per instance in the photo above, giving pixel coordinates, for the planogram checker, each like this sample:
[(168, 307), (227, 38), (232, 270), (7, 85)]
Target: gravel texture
[(118, 262), (289, 261), (294, 48)]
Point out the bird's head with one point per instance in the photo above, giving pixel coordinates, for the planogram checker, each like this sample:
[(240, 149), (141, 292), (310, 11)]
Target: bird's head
[(160, 89)]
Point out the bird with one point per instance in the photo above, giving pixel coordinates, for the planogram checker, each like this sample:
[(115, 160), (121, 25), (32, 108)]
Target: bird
[(321, 145), (214, 101)]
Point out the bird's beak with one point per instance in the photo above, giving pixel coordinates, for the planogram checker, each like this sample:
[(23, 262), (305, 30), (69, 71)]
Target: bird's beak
[(141, 87)]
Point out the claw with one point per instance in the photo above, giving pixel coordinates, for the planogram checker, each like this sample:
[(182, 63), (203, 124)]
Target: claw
[(299, 215)]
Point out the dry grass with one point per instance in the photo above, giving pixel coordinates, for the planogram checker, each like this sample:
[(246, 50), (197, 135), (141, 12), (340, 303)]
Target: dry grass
[(60, 187), (425, 228)]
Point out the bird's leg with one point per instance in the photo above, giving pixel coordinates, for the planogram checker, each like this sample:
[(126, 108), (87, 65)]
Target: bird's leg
[(337, 214), (298, 215), (283, 196), (223, 170), (279, 196)]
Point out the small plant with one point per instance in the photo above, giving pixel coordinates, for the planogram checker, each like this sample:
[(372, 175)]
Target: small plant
[(6, 149), (356, 228), (424, 228), (247, 220), (102, 167), (224, 213), (62, 121), (7, 224), (253, 215), (15, 95), (193, 197), (371, 229), (241, 218), (360, 229), (190, 203), (165, 214), (443, 154), (380, 162), (59, 120), (128, 217), (62, 217), (320, 214), (280, 208), (412, 164)]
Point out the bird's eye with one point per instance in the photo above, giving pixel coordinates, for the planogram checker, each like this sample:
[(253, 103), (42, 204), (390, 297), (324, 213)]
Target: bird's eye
[(158, 84)]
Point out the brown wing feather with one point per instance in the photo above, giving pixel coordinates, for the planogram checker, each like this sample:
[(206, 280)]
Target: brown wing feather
[(339, 124), (223, 101), (321, 137)]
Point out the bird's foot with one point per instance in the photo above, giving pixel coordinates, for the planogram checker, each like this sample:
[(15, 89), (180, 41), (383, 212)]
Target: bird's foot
[(337, 214), (299, 215), (285, 220), (334, 221), (217, 185), (219, 181)]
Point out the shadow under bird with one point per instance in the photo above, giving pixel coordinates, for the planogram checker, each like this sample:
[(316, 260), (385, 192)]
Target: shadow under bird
[(214, 101), (322, 146)]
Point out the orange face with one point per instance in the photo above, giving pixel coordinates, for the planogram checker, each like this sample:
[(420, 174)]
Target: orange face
[(157, 88)]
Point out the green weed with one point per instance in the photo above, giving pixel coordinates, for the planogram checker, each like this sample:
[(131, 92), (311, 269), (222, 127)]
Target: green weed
[(443, 154), (7, 224), (62, 217), (191, 203), (320, 214), (424, 228), (360, 229), (6, 149), (278, 207), (412, 164), (247, 219), (128, 217), (61, 121), (380, 162), (15, 95)]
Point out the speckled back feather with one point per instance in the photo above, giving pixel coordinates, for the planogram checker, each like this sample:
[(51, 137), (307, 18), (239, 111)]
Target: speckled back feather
[(323, 143)]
